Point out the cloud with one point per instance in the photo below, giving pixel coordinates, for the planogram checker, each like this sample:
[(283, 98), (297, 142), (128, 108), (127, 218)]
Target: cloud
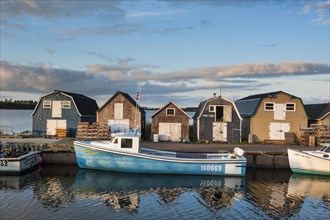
[(106, 79), (252, 70), (60, 9), (321, 9), (49, 51), (99, 55)]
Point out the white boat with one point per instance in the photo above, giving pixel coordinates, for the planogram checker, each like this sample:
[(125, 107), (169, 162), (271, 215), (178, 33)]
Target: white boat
[(20, 164), (123, 154), (310, 162)]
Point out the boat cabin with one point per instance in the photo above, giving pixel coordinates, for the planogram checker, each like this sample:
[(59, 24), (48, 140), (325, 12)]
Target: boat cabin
[(122, 143)]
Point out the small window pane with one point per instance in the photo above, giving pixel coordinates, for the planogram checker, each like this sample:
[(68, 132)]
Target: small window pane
[(126, 143), (269, 106), (47, 104), (211, 108), (66, 104), (290, 107), (170, 111)]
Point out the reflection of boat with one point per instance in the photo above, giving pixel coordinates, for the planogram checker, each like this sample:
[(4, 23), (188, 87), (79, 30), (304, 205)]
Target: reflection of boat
[(309, 185), (101, 181), (124, 190), (123, 154), (310, 162), (20, 164), (17, 182)]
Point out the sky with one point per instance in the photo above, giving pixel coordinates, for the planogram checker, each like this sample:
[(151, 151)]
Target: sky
[(181, 51)]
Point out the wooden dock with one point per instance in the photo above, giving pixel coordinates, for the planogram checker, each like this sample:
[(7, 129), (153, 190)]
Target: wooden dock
[(61, 151)]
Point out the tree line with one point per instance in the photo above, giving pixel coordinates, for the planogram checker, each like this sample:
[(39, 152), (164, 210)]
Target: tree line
[(17, 104)]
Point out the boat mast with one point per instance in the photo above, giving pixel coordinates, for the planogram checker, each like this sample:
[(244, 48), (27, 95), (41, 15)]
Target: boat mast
[(137, 103)]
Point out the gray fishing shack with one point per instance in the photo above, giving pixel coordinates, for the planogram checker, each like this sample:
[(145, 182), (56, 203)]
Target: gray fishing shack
[(63, 110), (218, 120)]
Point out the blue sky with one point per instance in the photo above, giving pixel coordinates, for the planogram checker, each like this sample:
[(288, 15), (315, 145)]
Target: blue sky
[(182, 51)]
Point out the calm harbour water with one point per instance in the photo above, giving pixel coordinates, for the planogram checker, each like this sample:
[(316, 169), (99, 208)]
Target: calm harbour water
[(66, 192)]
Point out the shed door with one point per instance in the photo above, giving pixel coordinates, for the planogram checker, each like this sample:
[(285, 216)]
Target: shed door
[(219, 131), (277, 130), (169, 131), (57, 109), (119, 126), (279, 111), (53, 124)]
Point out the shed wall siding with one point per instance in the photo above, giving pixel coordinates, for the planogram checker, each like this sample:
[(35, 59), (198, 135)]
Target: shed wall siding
[(130, 112), (259, 124), (179, 117)]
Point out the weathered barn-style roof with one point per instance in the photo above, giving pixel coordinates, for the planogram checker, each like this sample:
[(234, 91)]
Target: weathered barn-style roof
[(317, 111), (247, 106), (170, 102), (128, 97), (84, 105), (203, 105)]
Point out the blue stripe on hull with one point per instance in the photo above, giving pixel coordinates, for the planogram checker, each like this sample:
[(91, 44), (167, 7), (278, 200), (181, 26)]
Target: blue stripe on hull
[(102, 160), (309, 172)]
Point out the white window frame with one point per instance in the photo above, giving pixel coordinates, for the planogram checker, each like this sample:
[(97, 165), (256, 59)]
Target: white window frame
[(290, 110), (212, 106), (167, 113), (47, 104), (66, 104), (269, 109)]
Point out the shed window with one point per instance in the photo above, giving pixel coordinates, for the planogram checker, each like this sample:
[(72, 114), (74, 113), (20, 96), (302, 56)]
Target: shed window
[(126, 143), (66, 104), (269, 106), (47, 104), (170, 111), (211, 108), (290, 107)]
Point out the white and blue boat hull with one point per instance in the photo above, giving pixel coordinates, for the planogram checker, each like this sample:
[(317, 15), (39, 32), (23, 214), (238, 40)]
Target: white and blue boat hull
[(93, 157)]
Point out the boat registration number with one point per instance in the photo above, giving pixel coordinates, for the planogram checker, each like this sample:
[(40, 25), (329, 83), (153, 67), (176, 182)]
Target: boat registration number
[(4, 163), (212, 168)]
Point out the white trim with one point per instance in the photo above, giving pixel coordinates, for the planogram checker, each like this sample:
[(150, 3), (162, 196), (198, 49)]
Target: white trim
[(269, 110), (167, 109), (160, 109), (290, 103), (66, 102), (48, 104), (233, 104)]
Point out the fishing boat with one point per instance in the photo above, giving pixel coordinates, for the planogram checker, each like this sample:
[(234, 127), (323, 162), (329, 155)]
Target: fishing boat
[(123, 154), (21, 164), (310, 162)]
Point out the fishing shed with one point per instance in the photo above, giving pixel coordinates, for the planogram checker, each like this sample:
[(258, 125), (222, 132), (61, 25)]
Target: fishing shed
[(318, 114), (62, 110), (217, 119), (170, 123), (122, 113), (271, 116)]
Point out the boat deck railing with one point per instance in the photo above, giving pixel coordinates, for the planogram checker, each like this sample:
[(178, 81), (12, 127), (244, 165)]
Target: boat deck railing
[(182, 155)]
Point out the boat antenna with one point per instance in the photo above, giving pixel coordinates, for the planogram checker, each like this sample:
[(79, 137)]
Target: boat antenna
[(137, 103)]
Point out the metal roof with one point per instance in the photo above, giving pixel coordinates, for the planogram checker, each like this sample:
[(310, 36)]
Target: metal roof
[(317, 111)]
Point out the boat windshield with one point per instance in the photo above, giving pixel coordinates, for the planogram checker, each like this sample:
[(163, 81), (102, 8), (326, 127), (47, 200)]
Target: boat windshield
[(325, 149)]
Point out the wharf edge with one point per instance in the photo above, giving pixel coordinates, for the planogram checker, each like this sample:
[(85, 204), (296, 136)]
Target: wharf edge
[(60, 151)]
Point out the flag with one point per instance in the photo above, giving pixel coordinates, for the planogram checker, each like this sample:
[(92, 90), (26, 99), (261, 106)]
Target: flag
[(137, 95)]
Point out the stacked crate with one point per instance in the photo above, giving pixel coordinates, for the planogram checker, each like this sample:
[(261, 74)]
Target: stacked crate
[(62, 132), (315, 135), (92, 131)]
